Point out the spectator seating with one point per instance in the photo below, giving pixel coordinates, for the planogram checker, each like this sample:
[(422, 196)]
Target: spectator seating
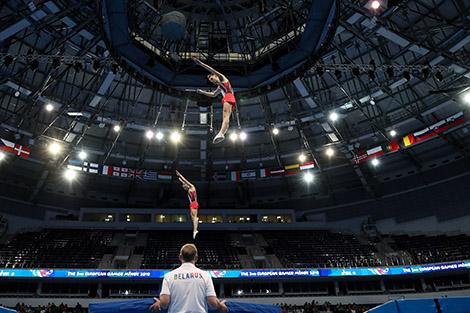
[(434, 249), (55, 248), (69, 248), (215, 250), (319, 248)]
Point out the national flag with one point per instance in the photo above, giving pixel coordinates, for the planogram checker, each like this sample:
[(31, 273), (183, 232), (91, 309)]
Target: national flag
[(150, 175), (164, 176), (219, 176), (90, 167), (6, 145), (393, 146), (14, 148), (362, 156), (448, 123), (120, 171), (277, 172), (455, 120), (107, 170), (425, 133), (21, 151), (133, 173), (263, 172), (408, 140), (248, 174), (234, 175), (307, 166), (74, 167), (375, 152), (292, 169)]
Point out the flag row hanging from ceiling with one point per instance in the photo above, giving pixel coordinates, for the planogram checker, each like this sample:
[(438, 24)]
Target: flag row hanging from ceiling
[(411, 139), (125, 172), (360, 157)]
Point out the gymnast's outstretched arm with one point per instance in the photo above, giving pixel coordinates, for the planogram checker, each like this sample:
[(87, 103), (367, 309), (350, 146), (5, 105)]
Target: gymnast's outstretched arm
[(183, 180), (210, 69)]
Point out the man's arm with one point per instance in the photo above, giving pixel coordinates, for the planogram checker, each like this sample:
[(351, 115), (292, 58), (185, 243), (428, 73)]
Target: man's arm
[(216, 304), (161, 303), (164, 301), (164, 297)]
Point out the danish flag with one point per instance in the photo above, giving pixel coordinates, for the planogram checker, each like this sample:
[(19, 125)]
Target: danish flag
[(12, 147)]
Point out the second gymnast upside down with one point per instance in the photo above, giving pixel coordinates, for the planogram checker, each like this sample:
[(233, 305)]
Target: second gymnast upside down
[(193, 204)]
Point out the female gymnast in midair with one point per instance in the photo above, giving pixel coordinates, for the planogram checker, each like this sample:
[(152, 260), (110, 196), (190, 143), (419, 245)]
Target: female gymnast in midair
[(229, 102), (193, 204)]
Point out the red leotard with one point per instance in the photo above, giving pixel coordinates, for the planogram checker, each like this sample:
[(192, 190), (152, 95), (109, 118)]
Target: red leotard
[(193, 204), (228, 94)]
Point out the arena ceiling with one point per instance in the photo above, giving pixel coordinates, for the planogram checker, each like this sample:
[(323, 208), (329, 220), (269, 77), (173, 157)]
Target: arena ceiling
[(403, 67)]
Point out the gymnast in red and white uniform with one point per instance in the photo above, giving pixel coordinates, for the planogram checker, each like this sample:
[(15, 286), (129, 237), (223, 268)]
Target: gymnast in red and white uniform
[(229, 102), (193, 204)]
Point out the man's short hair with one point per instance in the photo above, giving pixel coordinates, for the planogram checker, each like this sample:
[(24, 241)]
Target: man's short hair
[(188, 252)]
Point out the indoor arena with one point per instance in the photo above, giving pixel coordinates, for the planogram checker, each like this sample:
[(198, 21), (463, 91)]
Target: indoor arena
[(245, 156)]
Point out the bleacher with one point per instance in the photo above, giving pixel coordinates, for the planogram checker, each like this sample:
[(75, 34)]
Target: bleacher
[(215, 250), (55, 248), (69, 248), (434, 249), (319, 249)]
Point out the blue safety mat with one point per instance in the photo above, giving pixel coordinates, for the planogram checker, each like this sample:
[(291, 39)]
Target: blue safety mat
[(142, 306), (5, 310), (439, 305)]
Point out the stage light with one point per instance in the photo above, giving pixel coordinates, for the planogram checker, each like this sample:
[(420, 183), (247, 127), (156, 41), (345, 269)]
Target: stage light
[(308, 177), (2, 156), (375, 4), (334, 116), (338, 74), (330, 152), (243, 136), (8, 59), (356, 71), (426, 71), (407, 75), (159, 136), (275, 131), (233, 136), (49, 107), (70, 174), (55, 148), (77, 66), (466, 97), (320, 71), (393, 133), (439, 76), (149, 134), (117, 128), (96, 64), (114, 68), (175, 136), (17, 93), (56, 62), (302, 157), (82, 155), (34, 64), (375, 162)]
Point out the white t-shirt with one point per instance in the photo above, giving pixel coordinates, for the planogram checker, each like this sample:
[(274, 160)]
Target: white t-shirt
[(188, 288)]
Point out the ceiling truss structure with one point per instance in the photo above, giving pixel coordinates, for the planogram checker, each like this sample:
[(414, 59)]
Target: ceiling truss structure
[(412, 36)]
